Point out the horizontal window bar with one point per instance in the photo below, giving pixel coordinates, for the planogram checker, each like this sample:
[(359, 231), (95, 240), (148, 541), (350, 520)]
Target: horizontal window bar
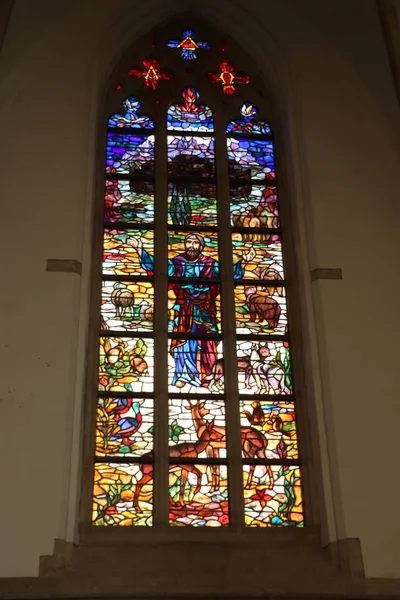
[(131, 130), (132, 278), (126, 334), (287, 398), (124, 459), (261, 282), (191, 336), (174, 460), (256, 230), (131, 226), (195, 280), (260, 337), (272, 461), (138, 395), (191, 228)]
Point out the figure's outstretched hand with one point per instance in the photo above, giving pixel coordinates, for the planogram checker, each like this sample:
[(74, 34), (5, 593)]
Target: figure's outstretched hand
[(135, 243), (248, 256)]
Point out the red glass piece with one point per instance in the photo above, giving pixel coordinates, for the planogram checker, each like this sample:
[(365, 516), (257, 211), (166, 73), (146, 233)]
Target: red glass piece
[(150, 73), (227, 77)]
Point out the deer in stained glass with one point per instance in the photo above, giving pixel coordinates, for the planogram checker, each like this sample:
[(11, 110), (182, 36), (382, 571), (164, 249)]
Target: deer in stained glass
[(179, 451), (253, 442)]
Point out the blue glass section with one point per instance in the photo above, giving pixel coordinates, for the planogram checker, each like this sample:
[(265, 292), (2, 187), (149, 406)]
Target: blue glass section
[(190, 116), (130, 118), (129, 153)]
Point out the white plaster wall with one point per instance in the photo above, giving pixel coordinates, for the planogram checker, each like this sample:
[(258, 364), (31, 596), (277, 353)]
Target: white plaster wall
[(329, 72)]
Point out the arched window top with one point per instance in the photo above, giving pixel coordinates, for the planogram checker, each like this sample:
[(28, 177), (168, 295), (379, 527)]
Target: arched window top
[(248, 124), (194, 375), (131, 119), (190, 116)]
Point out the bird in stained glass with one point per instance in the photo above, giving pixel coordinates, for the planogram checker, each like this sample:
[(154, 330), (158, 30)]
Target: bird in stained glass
[(188, 45), (150, 73), (227, 77), (127, 417)]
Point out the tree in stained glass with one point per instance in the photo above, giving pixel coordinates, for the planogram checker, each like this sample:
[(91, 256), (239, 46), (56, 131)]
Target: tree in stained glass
[(192, 325)]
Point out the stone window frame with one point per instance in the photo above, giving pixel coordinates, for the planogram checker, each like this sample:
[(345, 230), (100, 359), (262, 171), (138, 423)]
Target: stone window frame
[(224, 108)]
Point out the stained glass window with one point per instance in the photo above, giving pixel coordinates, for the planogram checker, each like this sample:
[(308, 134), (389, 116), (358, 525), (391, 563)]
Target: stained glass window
[(272, 490), (191, 215)]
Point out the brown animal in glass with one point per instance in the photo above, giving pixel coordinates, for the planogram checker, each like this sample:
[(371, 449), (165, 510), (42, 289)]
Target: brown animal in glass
[(270, 274), (257, 417), (190, 450), (122, 298), (262, 307), (215, 379), (253, 442)]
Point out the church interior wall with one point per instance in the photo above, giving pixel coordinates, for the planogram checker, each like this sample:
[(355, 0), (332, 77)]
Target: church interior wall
[(328, 72)]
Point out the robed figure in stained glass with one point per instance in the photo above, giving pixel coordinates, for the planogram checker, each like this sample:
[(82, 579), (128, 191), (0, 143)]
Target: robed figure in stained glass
[(195, 310)]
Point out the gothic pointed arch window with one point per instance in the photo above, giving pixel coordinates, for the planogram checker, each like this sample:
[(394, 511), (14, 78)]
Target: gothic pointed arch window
[(194, 424)]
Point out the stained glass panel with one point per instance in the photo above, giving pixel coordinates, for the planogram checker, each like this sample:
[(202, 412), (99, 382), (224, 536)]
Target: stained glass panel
[(124, 426), (195, 366), (121, 257), (192, 204), (250, 159), (194, 308), (187, 422), (264, 255), (187, 44), (254, 206), (264, 367), (248, 124), (272, 501), (195, 499), (260, 309), (123, 494), (130, 118), (193, 254), (127, 306), (190, 116), (129, 201), (130, 153), (126, 364), (191, 156), (275, 424)]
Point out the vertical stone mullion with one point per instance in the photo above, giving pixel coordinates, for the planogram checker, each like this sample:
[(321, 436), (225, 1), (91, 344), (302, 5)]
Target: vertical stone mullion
[(229, 325), (160, 326)]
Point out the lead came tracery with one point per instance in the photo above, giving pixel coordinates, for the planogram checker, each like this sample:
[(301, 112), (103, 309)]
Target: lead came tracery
[(192, 319)]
